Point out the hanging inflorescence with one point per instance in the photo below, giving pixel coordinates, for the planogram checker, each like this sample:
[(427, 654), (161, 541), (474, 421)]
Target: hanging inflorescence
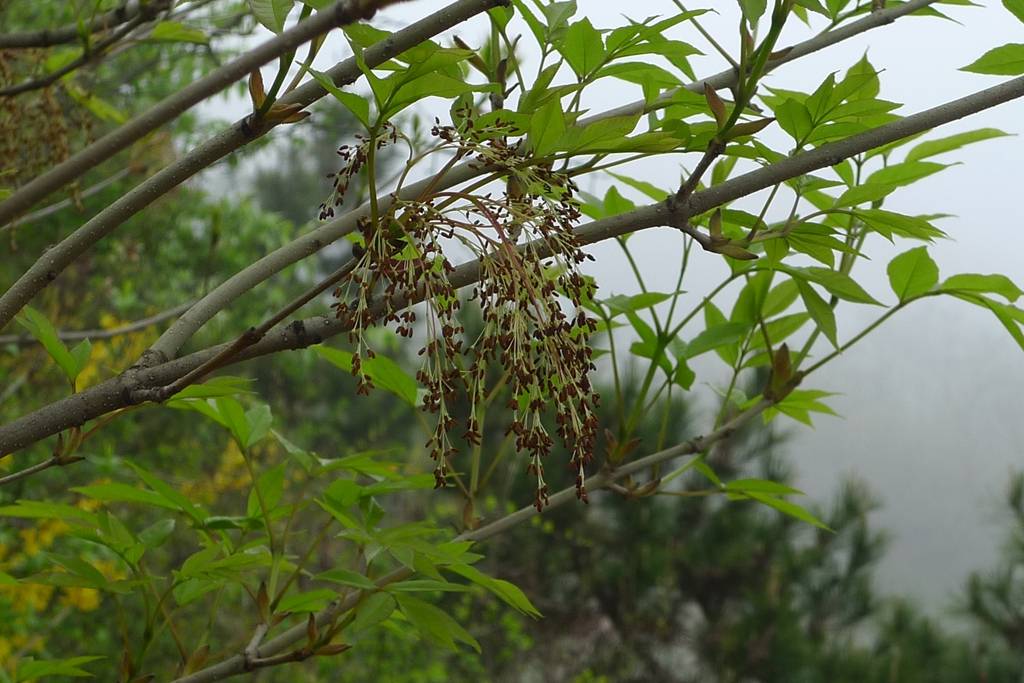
[(530, 293)]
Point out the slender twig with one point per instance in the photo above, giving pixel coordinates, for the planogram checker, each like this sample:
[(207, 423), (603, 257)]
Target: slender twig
[(53, 461), (51, 209), (95, 335), (248, 338), (93, 54), (116, 393), (71, 33)]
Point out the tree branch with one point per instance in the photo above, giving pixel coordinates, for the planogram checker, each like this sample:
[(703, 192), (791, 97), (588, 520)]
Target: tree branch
[(55, 260), (73, 32), (175, 337), (117, 392), (236, 664), (247, 338)]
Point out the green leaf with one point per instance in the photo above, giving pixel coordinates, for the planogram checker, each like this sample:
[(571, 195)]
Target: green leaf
[(258, 420), (864, 194), (96, 105), (1011, 317), (174, 497), (79, 568), (271, 13), (1006, 60), (714, 337), (903, 174), (80, 354), (371, 611), (44, 332), (310, 601), (620, 303), (434, 624), (213, 387), (990, 284), (683, 375), (429, 85), (779, 329), (889, 223), (547, 126), (843, 286), (157, 533), (365, 35), (31, 669), (948, 144), (558, 15), (115, 492), (347, 578), (799, 404), (359, 106), (788, 508), (582, 47), (30, 509), (795, 119), (176, 32), (597, 136), (427, 586), (753, 9), (507, 592), (381, 370), (912, 273), (1015, 7), (762, 486), (643, 186), (271, 488)]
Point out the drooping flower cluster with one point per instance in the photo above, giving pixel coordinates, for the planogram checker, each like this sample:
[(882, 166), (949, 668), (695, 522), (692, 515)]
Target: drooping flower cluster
[(529, 291)]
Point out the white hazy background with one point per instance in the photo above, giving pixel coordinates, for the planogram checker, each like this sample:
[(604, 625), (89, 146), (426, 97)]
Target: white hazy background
[(933, 418)]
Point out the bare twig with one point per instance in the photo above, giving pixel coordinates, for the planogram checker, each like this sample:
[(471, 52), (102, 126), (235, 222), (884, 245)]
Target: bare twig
[(94, 335), (87, 57), (52, 461), (247, 338), (51, 209), (72, 33)]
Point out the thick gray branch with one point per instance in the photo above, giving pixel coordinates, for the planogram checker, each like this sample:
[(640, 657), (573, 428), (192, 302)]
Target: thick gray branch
[(116, 393)]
